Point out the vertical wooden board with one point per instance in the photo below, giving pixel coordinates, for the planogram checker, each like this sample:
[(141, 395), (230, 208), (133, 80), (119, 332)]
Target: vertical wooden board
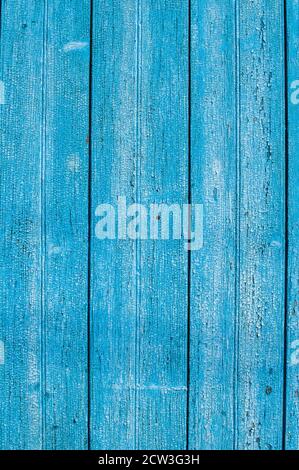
[(65, 214), (113, 262), (139, 146), (292, 379), (162, 265), (262, 223), (22, 34), (213, 268)]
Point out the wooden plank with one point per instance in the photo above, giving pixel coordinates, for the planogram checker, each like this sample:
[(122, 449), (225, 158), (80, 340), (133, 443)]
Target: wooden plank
[(262, 225), (22, 34), (113, 273), (139, 295), (214, 183), (292, 383), (139, 144), (65, 206), (162, 177)]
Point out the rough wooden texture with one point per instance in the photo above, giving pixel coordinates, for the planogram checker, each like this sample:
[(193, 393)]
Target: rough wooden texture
[(127, 344), (292, 379), (214, 183), (65, 224), (113, 262), (260, 348), (162, 177), (22, 39), (139, 148)]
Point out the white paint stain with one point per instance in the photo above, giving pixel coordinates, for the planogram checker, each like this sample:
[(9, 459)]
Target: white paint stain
[(2, 92), (217, 167), (74, 45), (2, 353), (276, 244), (160, 388), (295, 353), (54, 249), (73, 163)]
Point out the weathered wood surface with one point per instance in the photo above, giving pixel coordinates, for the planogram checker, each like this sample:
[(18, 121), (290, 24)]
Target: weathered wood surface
[(260, 348), (292, 206), (214, 160), (140, 344)]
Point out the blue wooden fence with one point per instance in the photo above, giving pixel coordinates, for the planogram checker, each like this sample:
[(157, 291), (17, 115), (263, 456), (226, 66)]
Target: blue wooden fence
[(140, 344)]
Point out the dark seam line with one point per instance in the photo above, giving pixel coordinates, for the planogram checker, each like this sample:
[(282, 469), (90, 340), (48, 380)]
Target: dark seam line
[(89, 231), (189, 251), (284, 422), (43, 226), (137, 246), (0, 18), (237, 220)]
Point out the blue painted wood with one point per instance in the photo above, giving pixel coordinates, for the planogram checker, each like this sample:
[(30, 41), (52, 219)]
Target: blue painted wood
[(142, 394), (162, 177), (139, 150), (260, 354), (292, 379), (65, 216), (113, 273), (22, 35), (214, 180), (44, 205)]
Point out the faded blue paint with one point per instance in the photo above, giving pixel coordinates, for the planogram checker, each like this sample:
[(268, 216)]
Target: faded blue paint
[(65, 225), (260, 345), (98, 103), (292, 339), (214, 182)]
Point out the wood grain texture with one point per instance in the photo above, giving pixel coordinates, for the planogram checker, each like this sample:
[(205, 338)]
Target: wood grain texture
[(22, 38), (260, 354), (65, 216), (139, 309), (113, 262), (292, 379), (103, 343), (213, 269), (162, 177)]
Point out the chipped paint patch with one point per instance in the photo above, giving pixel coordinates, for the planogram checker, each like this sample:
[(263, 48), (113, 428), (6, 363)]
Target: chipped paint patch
[(276, 244), (160, 388), (54, 249), (2, 92), (74, 45), (295, 353), (73, 163), (217, 167), (2, 353)]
